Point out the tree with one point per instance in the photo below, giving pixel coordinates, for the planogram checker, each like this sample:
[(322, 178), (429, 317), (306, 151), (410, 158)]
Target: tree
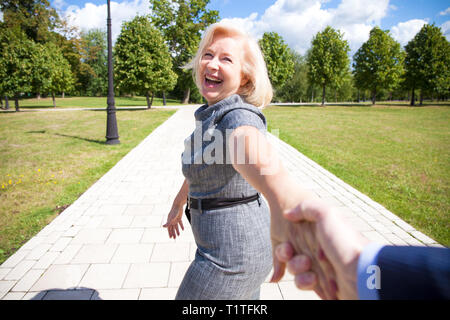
[(427, 62), (34, 17), (328, 59), (278, 58), (142, 59), (181, 23), (15, 63), (94, 54), (296, 88), (51, 71), (378, 63)]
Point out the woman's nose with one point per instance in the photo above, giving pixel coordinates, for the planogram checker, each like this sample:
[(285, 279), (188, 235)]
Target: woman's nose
[(213, 64)]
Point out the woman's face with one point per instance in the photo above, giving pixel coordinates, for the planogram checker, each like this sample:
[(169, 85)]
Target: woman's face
[(221, 69)]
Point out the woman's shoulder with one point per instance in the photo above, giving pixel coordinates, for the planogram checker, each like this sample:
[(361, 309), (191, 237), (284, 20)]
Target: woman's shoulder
[(240, 114)]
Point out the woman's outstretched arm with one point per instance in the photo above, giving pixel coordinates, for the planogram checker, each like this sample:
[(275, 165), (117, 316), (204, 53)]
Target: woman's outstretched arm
[(256, 160)]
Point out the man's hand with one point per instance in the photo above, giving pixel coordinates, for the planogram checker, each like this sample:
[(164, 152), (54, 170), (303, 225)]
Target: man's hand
[(339, 248)]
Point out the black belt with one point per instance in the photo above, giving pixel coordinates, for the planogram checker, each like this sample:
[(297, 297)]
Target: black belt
[(216, 203)]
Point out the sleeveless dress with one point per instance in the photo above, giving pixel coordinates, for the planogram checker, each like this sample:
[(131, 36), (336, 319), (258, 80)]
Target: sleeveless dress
[(234, 250)]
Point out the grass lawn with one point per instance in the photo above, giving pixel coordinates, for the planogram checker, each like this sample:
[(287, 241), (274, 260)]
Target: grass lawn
[(398, 156), (48, 159), (88, 102)]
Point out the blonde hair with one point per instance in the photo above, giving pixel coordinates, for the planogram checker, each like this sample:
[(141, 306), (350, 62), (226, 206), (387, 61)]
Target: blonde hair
[(258, 89)]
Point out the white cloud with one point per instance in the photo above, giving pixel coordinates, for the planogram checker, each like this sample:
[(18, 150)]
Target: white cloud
[(94, 16), (297, 21), (59, 4), (405, 31), (446, 29), (445, 12)]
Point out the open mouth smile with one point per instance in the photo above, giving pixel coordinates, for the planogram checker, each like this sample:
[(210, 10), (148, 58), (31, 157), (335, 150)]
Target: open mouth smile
[(212, 82)]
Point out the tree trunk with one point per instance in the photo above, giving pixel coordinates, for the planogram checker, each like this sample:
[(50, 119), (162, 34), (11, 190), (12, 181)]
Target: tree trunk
[(6, 103), (151, 101), (186, 96), (421, 97), (312, 95), (63, 95), (164, 98), (358, 100), (374, 96), (54, 101), (149, 104), (16, 103), (323, 95), (38, 96), (413, 97), (1, 102)]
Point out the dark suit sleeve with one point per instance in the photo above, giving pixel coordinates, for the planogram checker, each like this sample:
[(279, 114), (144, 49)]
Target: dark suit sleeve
[(414, 273)]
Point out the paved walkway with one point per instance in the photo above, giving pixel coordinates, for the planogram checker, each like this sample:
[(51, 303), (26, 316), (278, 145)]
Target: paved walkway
[(109, 244)]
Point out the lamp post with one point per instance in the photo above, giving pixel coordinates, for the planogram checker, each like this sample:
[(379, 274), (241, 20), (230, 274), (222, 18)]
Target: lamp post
[(112, 134)]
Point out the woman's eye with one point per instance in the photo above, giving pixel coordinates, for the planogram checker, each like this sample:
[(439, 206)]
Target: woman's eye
[(207, 54), (227, 59)]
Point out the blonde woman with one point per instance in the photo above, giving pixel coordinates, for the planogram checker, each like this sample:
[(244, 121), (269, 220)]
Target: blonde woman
[(228, 164)]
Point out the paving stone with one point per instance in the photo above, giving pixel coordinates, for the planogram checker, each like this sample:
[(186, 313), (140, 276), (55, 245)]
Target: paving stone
[(172, 252), (125, 236), (116, 222), (158, 294), (177, 272), (68, 254), (375, 236), (28, 280), (12, 261), (4, 272), (105, 276), (34, 295), (38, 251), (91, 236), (156, 235), (60, 277), (147, 275), (270, 291), (133, 253), (290, 292), (20, 270), (5, 286), (95, 253), (116, 294), (14, 296), (61, 244), (421, 237), (147, 222), (46, 260)]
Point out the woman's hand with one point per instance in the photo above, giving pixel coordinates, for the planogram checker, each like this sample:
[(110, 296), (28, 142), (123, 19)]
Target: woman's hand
[(173, 220)]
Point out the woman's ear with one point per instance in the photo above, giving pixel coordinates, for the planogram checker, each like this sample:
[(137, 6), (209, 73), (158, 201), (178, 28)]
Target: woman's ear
[(244, 80)]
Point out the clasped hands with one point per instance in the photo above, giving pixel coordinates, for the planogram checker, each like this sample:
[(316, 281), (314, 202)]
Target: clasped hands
[(316, 245)]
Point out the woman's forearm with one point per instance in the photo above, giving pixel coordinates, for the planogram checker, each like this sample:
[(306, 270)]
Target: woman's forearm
[(181, 197)]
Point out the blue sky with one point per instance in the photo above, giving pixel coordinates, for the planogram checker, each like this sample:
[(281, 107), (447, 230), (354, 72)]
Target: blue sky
[(295, 20)]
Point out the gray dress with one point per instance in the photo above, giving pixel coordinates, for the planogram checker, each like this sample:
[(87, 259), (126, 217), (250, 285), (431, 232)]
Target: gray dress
[(234, 251)]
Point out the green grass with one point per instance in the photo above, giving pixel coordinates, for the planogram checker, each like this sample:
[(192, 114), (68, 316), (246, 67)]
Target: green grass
[(48, 159), (398, 156), (89, 102)]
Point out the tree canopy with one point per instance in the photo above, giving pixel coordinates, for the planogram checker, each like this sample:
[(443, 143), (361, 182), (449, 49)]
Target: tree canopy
[(378, 63), (181, 23), (328, 59), (278, 57), (427, 62), (142, 60)]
